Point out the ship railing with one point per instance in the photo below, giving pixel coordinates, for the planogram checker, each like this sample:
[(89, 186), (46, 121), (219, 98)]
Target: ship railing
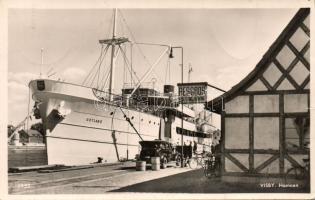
[(103, 97), (149, 85), (139, 102)]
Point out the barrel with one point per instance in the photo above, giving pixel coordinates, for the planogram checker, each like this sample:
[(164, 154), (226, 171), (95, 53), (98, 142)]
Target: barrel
[(155, 163), (141, 165), (155, 167)]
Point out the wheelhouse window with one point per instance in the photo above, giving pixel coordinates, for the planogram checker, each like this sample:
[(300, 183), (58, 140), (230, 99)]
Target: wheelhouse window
[(297, 133)]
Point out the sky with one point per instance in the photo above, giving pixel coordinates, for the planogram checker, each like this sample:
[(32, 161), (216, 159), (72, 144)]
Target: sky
[(221, 45)]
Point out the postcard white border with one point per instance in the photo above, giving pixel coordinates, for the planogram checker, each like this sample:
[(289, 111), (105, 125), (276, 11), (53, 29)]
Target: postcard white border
[(98, 4)]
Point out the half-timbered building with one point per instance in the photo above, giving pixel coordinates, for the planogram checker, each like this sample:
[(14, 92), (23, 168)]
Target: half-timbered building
[(265, 118)]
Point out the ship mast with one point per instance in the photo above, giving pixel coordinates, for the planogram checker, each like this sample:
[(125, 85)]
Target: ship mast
[(112, 62), (113, 42)]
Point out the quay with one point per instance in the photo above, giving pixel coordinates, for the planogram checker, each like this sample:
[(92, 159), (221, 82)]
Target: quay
[(90, 180), (123, 177)]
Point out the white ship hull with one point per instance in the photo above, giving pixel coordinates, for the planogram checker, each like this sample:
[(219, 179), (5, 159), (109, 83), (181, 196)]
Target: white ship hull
[(89, 130)]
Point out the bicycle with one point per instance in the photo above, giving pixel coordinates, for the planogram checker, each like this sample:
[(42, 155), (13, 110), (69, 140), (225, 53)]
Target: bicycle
[(198, 161), (211, 167), (299, 172)]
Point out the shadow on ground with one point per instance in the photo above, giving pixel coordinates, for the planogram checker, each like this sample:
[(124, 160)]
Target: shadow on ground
[(196, 182), (133, 168)]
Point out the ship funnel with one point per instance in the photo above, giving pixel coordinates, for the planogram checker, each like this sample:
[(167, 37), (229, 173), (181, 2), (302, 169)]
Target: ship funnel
[(169, 89)]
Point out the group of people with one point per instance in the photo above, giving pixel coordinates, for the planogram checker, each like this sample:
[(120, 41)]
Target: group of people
[(213, 149)]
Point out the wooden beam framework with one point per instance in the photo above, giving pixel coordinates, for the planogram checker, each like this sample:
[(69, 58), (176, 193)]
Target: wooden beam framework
[(281, 134), (304, 91), (281, 153), (266, 163), (292, 161), (236, 162), (251, 133)]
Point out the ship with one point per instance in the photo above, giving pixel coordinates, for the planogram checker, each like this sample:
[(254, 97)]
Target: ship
[(86, 123)]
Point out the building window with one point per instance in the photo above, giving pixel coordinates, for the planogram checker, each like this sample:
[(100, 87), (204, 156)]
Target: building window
[(297, 133)]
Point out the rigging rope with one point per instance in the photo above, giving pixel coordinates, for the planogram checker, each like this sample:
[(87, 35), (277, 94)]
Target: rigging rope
[(131, 124), (105, 75), (104, 83), (140, 50), (55, 62), (106, 49), (168, 72), (131, 56), (97, 68), (127, 62), (124, 71), (86, 78), (101, 61), (98, 73)]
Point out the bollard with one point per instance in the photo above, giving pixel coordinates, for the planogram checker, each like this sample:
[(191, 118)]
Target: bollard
[(141, 165), (155, 163)]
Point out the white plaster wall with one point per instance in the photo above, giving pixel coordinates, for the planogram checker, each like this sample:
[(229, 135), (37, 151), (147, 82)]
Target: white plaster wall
[(307, 55), (299, 73), (242, 158), (239, 104), (266, 133), (260, 159), (272, 74), (285, 57), (299, 39), (231, 167), (297, 157), (266, 103), (285, 85), (257, 86), (295, 103), (237, 133), (271, 168)]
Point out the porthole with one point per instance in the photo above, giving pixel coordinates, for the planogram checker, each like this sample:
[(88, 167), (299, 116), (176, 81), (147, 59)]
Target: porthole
[(111, 113)]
